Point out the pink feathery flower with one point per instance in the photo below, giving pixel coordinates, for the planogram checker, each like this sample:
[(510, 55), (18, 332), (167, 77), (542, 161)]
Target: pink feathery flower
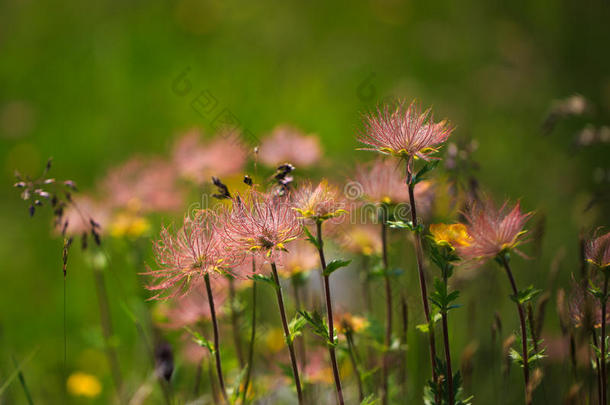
[(319, 203), (146, 185), (597, 251), (492, 231), (81, 211), (361, 239), (260, 224), (288, 144), (405, 132), (223, 156), (381, 182), (194, 306), (300, 257), (193, 251)]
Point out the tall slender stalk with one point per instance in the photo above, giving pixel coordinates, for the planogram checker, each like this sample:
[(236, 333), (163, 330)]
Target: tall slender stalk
[(526, 371), (235, 324), (329, 312), (221, 381), (352, 355), (603, 347), (252, 338), (301, 346), (598, 366), (388, 306), (419, 254), (447, 349), (293, 359), (106, 323)]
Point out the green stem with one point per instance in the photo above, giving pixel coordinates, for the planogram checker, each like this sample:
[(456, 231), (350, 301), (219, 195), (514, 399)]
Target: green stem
[(221, 381), (352, 356), (293, 359), (603, 339), (420, 269), (252, 338), (106, 323), (329, 312), (388, 306), (523, 329), (447, 349), (235, 324)]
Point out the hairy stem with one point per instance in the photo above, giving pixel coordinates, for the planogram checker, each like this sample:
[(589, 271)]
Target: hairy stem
[(526, 370), (419, 254), (221, 381), (329, 312), (293, 358)]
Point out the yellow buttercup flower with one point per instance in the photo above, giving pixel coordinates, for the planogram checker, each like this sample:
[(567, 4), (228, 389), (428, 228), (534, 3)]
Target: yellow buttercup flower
[(85, 385), (451, 235), (129, 224)]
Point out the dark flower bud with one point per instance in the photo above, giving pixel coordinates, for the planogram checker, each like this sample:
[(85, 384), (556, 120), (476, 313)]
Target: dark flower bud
[(164, 361)]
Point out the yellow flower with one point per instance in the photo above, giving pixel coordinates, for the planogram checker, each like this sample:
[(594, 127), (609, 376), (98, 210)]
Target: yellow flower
[(451, 235), (129, 224), (352, 323), (86, 385), (275, 340)]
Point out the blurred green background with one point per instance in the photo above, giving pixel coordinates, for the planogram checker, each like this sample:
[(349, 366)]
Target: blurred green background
[(91, 84)]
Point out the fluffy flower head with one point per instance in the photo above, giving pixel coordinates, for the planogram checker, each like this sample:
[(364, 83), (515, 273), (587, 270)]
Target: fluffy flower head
[(405, 132), (318, 203), (261, 224), (597, 251), (382, 183), (190, 253), (492, 231)]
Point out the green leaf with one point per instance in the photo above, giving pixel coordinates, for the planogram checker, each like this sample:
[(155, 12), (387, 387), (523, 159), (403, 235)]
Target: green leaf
[(265, 279), (370, 400), (398, 224), (526, 295), (16, 372), (310, 238), (419, 176), (334, 265), (318, 325), (200, 340), (295, 326)]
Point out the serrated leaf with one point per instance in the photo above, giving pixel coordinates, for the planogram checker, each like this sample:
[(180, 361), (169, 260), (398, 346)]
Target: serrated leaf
[(265, 279), (419, 176), (296, 325), (200, 340), (526, 295), (335, 265), (310, 238), (370, 400)]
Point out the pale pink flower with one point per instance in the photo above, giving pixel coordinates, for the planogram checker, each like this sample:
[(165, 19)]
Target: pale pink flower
[(260, 224), (79, 213), (361, 239), (317, 370), (597, 251), (193, 251), (300, 257), (193, 307), (584, 309), (320, 202), (146, 185), (405, 132), (492, 231), (223, 156), (382, 182), (288, 144)]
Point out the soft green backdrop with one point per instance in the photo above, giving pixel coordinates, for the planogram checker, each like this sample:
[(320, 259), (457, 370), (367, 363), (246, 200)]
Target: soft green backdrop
[(90, 83)]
